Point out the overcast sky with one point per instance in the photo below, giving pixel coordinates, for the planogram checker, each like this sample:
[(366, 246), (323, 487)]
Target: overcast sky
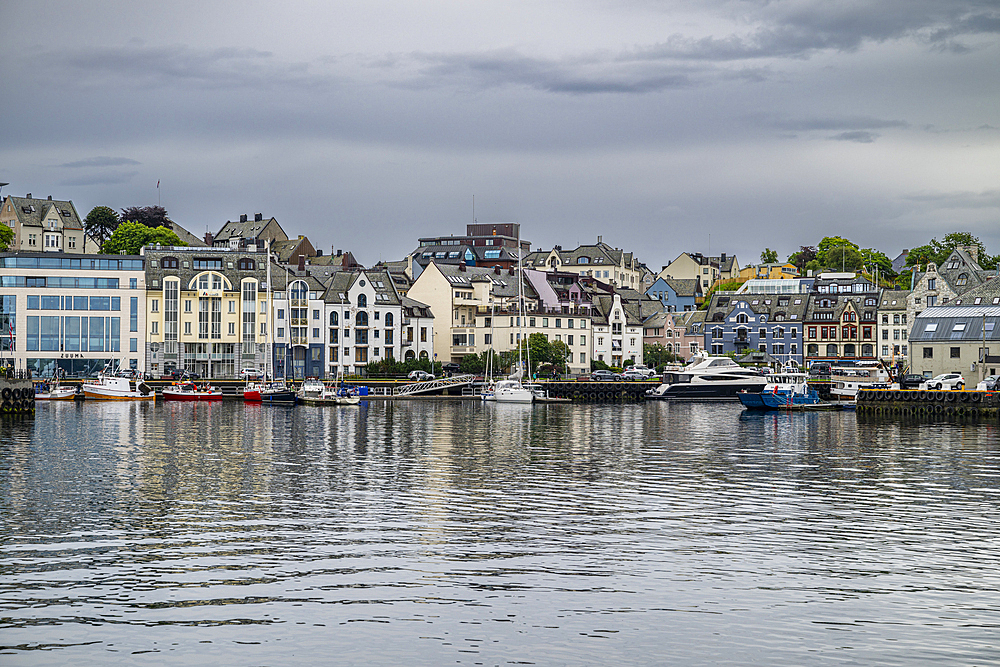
[(709, 126)]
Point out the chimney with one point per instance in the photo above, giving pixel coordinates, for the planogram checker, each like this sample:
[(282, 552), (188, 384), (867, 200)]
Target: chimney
[(344, 263), (319, 253), (558, 248), (243, 217), (510, 271), (302, 262), (258, 217), (600, 239), (722, 258), (461, 266), (339, 252), (496, 269), (209, 239), (27, 196), (50, 197), (971, 249)]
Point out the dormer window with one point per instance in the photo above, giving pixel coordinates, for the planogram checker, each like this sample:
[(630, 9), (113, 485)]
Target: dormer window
[(963, 279)]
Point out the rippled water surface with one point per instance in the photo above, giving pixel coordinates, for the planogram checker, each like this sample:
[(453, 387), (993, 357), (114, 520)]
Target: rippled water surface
[(432, 533)]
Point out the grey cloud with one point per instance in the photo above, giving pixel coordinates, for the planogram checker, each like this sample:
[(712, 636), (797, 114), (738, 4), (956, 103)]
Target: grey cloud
[(576, 76), (112, 178), (101, 161), (152, 67), (857, 136), (844, 123), (959, 200)]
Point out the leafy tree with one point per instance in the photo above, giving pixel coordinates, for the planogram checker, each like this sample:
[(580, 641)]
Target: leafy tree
[(130, 237), (6, 237), (598, 365), (829, 243), (151, 216), (873, 259), (559, 354), (843, 258), (472, 363), (769, 256), (938, 251), (101, 223), (806, 254)]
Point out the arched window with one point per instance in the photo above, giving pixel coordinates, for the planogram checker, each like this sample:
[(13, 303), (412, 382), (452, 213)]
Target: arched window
[(247, 264), (831, 350), (361, 319), (812, 350), (741, 318), (963, 279), (169, 262), (868, 350), (298, 292), (849, 350), (333, 318), (583, 260), (388, 319), (362, 301)]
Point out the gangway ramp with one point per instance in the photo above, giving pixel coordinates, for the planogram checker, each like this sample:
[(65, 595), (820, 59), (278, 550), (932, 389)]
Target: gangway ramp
[(433, 385)]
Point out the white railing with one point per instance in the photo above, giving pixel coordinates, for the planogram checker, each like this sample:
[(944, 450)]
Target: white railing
[(432, 385)]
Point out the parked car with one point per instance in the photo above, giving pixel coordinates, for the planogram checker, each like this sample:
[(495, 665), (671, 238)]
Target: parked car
[(643, 370), (604, 376), (911, 381), (251, 374), (989, 383), (449, 368), (636, 374), (420, 375), (820, 368), (947, 381), (184, 374)]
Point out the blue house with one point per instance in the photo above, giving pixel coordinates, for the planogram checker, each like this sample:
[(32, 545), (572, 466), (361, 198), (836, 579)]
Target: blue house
[(768, 322), (676, 295)]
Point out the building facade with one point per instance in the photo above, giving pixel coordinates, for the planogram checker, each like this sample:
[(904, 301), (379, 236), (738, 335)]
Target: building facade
[(43, 225), (207, 311), (74, 313)]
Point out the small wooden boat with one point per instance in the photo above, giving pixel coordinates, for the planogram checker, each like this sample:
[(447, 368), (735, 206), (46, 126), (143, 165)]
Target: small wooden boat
[(52, 391), (189, 391), (117, 388)]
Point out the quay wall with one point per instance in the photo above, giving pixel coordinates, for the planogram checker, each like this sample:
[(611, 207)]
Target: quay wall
[(929, 402), (17, 393)]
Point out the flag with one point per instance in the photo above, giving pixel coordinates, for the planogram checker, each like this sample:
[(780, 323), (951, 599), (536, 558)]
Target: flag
[(157, 184)]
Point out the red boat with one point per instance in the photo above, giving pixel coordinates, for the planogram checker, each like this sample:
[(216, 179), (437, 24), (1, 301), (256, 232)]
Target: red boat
[(189, 391)]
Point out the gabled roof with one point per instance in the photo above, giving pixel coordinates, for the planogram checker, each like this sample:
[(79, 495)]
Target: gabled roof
[(30, 211), (415, 308), (285, 250), (341, 283), (246, 229), (771, 305), (958, 324), (682, 287), (504, 284), (986, 293)]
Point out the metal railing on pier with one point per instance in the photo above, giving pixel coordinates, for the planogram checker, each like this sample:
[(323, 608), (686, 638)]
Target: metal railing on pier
[(434, 385)]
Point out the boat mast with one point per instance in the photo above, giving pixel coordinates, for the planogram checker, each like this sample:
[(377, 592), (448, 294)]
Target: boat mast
[(269, 361)]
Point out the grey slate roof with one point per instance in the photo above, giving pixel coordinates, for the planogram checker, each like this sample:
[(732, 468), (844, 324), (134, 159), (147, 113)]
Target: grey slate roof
[(31, 211), (771, 305), (342, 281), (504, 284), (957, 324), (249, 229)]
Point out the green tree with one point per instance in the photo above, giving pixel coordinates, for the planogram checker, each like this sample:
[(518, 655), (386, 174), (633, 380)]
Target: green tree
[(938, 251), (472, 363), (769, 256), (843, 258), (130, 237), (101, 223), (830, 242), (921, 255), (559, 354), (6, 237)]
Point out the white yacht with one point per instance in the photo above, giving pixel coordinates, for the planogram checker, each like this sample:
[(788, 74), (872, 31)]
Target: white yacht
[(117, 388), (707, 378)]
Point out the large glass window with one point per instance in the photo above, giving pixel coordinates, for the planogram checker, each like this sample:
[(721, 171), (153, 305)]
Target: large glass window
[(171, 304), (49, 329), (249, 315), (133, 314)]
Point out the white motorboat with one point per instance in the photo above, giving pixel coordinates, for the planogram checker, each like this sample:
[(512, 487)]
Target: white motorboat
[(512, 391), (847, 381), (53, 391), (709, 378), (116, 388)]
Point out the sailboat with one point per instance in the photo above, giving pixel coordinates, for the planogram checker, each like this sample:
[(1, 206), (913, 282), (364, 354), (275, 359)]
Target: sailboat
[(489, 389), (268, 391), (512, 390)]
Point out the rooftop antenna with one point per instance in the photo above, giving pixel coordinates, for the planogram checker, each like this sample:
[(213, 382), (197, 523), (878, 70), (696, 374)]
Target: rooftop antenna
[(473, 209)]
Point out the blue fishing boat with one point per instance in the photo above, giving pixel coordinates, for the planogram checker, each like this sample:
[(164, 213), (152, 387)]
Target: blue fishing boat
[(784, 391)]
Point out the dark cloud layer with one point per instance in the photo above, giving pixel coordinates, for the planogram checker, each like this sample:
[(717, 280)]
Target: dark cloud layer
[(654, 124)]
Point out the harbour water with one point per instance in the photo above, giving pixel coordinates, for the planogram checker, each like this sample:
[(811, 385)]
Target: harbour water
[(433, 533)]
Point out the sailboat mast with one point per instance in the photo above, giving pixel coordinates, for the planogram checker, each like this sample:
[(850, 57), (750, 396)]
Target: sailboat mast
[(269, 361)]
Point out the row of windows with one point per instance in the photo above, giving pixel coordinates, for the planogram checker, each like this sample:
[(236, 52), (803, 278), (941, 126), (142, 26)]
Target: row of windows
[(71, 263), (53, 302), (72, 334), (61, 282)]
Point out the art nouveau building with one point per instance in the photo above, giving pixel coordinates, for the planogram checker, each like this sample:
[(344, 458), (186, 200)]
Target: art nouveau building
[(206, 310)]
